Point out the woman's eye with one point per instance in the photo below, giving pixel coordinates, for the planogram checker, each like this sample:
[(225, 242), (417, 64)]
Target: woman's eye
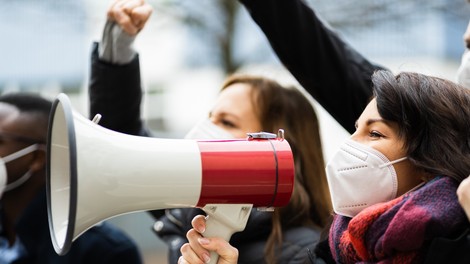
[(227, 123), (375, 134)]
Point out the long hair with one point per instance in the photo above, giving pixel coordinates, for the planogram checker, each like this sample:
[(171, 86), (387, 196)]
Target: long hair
[(433, 117), (287, 108)]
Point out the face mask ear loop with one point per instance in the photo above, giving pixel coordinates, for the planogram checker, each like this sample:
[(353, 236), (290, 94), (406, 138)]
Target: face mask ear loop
[(14, 156), (21, 153), (18, 182), (392, 162), (416, 187)]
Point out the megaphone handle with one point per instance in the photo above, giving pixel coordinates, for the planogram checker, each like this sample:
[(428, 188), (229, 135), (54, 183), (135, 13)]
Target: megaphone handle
[(223, 220)]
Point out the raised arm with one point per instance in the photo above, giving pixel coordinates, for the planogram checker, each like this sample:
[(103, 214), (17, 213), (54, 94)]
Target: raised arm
[(335, 74), (115, 85)]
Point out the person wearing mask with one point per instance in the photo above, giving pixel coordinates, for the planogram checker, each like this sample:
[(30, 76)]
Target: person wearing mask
[(245, 104), (24, 228), (248, 103), (314, 48), (393, 183), (463, 72)]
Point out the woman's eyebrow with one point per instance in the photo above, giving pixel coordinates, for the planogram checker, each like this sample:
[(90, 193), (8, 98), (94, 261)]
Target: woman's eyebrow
[(371, 121), (375, 120)]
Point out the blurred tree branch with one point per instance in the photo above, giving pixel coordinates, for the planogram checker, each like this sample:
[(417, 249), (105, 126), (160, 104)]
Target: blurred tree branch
[(214, 21)]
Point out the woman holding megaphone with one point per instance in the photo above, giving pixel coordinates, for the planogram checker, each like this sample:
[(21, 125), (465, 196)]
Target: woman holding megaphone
[(245, 104), (332, 76)]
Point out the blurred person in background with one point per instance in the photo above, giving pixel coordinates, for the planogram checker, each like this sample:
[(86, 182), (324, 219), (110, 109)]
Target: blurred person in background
[(463, 78), (463, 72), (24, 228), (245, 104)]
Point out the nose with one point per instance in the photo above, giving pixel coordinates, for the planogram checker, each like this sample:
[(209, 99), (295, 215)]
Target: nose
[(355, 136), (213, 119)]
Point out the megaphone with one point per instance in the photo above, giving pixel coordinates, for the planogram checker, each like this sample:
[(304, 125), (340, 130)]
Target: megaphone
[(94, 173)]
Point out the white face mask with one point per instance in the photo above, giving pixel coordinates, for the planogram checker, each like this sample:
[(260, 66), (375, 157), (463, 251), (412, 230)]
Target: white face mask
[(463, 73), (4, 187), (360, 176), (207, 130)]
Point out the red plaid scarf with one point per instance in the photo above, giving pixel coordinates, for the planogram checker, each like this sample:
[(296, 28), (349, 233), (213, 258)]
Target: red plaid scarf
[(399, 231)]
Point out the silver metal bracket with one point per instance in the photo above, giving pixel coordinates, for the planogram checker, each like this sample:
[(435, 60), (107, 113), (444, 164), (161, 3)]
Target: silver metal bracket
[(261, 135), (266, 135)]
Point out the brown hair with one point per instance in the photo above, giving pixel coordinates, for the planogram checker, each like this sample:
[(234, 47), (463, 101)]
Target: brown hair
[(286, 107), (433, 117)]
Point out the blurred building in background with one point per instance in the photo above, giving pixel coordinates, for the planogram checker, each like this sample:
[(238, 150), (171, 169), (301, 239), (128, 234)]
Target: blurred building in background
[(42, 44), (188, 47)]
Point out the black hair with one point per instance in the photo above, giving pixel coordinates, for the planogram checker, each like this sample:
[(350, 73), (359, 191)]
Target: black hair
[(35, 107), (28, 102), (433, 118)]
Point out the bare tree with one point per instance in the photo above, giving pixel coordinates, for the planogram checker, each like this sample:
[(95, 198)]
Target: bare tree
[(356, 13), (212, 24)]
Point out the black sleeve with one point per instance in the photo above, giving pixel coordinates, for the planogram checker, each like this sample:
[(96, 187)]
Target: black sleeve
[(172, 227), (336, 75), (105, 244), (445, 250), (115, 93)]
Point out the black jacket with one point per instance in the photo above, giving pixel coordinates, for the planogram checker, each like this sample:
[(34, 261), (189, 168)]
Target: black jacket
[(115, 93), (250, 243), (100, 244)]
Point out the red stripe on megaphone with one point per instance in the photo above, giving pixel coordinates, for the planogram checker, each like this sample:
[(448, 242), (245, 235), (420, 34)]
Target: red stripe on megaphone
[(258, 172)]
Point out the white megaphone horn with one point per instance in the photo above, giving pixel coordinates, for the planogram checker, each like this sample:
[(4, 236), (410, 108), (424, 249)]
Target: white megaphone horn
[(94, 173)]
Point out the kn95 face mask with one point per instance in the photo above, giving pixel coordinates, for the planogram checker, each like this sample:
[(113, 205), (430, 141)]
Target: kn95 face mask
[(360, 176), (205, 129)]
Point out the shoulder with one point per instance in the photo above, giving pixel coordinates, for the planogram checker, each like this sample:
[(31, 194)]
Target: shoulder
[(106, 235), (450, 250), (296, 244), (294, 249), (106, 243)]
